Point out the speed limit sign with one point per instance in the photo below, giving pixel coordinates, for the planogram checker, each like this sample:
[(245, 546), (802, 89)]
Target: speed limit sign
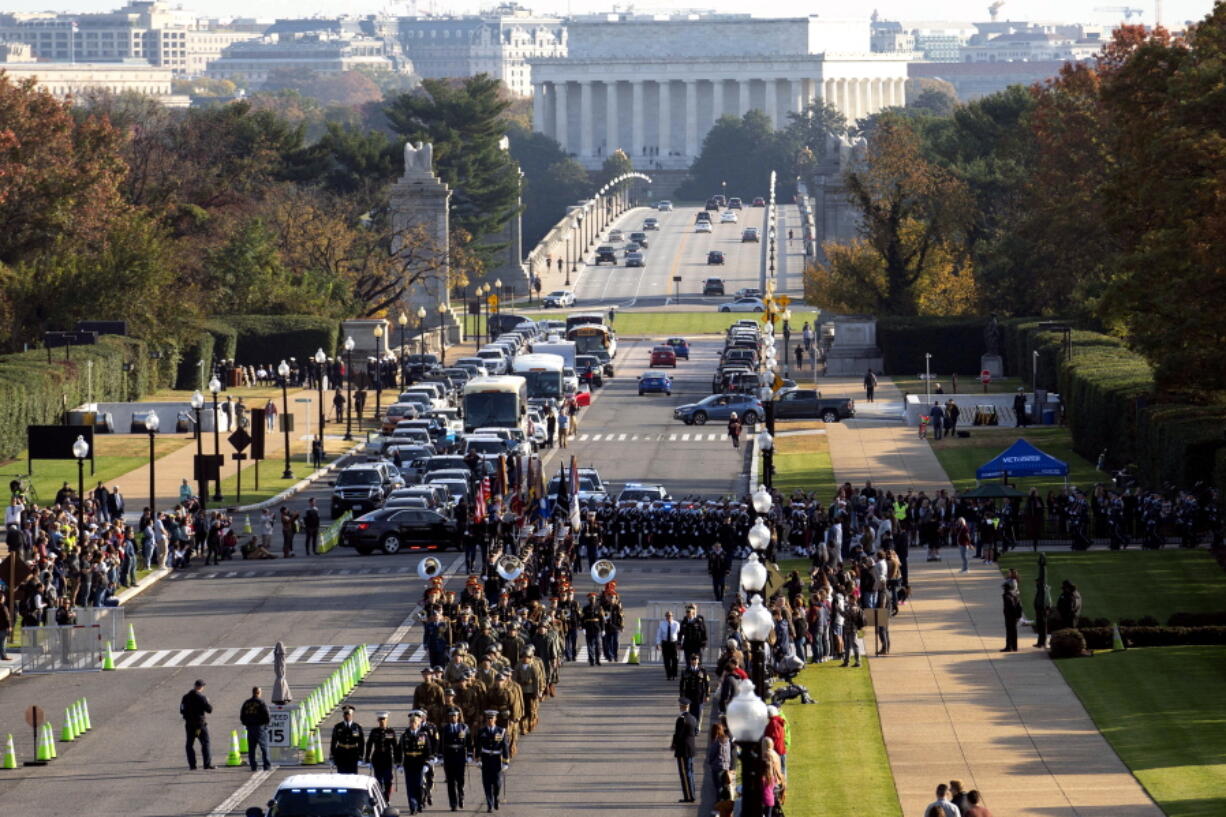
[(279, 719)]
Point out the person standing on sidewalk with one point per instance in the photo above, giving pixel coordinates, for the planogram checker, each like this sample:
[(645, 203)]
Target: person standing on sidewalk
[(310, 525), (734, 430), (254, 716), (684, 729), (870, 385), (563, 428), (1013, 613), (289, 524)]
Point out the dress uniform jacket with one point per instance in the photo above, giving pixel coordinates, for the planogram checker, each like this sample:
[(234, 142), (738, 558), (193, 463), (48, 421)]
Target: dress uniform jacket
[(348, 744)]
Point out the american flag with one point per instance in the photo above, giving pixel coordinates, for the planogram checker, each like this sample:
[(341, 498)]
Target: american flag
[(574, 494)]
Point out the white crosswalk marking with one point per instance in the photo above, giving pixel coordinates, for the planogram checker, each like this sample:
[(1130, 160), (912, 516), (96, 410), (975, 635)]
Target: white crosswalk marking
[(343, 653), (596, 437), (296, 656), (231, 574), (672, 438), (419, 655), (250, 655), (130, 659), (319, 655), (712, 436), (227, 655), (583, 437), (685, 438), (621, 437), (173, 661), (154, 657), (398, 651), (201, 658)]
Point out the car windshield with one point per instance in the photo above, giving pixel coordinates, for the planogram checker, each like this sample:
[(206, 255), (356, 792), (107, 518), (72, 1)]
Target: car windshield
[(362, 477), (638, 494), (321, 802), (487, 446), (557, 293), (585, 484)]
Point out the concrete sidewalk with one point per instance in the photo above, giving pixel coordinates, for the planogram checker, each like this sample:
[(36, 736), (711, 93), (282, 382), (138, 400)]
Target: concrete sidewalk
[(952, 706)]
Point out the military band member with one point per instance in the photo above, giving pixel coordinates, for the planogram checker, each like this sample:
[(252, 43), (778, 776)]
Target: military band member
[(383, 754), (593, 621), (416, 748), (348, 743), (615, 622), (493, 752), (457, 745)]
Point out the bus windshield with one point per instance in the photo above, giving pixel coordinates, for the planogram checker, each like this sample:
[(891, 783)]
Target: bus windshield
[(491, 409), (542, 383)]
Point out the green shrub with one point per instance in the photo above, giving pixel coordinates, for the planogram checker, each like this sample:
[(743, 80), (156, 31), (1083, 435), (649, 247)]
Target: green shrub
[(955, 343), (1067, 643), (1215, 619), (273, 338), (198, 348)]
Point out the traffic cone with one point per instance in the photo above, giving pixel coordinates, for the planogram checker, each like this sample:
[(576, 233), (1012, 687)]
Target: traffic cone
[(247, 524), (85, 712), (10, 756), (73, 716), (234, 758), (243, 746), (319, 748), (108, 660), (41, 751), (634, 654), (50, 739), (131, 645), (310, 758), (67, 735), (1117, 640)]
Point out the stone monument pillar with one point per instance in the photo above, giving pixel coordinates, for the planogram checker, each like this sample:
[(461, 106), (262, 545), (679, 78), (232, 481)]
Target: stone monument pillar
[(854, 350), (420, 203), (991, 361)]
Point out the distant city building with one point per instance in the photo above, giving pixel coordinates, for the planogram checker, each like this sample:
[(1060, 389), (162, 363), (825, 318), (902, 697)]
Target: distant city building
[(314, 52), (1011, 41), (940, 41), (890, 37), (75, 79), (499, 43), (148, 30), (972, 80), (654, 86)]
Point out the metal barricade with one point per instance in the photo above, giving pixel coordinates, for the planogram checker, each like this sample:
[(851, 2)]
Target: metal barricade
[(110, 619), (76, 648)]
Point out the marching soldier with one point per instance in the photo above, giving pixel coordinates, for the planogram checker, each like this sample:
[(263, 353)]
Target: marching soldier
[(457, 747), (570, 618), (348, 743), (494, 752), (470, 696), (383, 754), (695, 687), (429, 693), (531, 680), (615, 623), (693, 633), (592, 619), (416, 748)]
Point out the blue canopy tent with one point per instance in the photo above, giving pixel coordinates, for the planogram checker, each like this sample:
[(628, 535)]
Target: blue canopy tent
[(1022, 460)]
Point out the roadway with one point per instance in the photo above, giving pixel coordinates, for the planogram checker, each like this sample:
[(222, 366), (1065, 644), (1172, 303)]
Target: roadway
[(602, 745)]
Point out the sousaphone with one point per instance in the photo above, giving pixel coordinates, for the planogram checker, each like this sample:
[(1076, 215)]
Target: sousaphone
[(429, 568), (603, 571), (510, 567)]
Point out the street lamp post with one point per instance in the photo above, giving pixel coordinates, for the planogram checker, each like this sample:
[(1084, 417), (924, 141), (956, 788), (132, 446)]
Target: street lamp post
[(927, 377), (498, 288), (348, 346), (283, 373), (80, 450), (757, 624), (579, 248), (379, 364), (202, 488), (403, 320), (1034, 370), (151, 425), (320, 360), (767, 443), (214, 389), (787, 340), (747, 719), (421, 332), (442, 338)]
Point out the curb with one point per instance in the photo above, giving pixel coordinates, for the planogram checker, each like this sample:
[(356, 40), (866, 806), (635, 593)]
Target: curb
[(150, 580), (301, 484)]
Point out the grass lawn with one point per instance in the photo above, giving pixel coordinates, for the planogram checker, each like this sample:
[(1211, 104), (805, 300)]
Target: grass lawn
[(803, 461), (1164, 712), (968, 384), (1129, 583), (114, 456), (960, 457)]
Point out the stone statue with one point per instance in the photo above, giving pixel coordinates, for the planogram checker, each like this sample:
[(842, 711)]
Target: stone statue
[(991, 337), (418, 159)]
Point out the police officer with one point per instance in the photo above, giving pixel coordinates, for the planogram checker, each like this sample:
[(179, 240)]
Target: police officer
[(254, 716), (194, 707), (493, 751), (383, 754), (695, 687), (348, 743), (416, 748), (693, 633), (457, 747)]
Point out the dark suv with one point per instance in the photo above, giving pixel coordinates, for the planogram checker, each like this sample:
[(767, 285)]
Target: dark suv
[(606, 253), (713, 286), (363, 487), (716, 257)]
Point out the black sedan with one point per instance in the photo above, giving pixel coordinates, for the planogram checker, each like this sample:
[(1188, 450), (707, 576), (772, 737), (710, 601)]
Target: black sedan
[(393, 530), (715, 257)]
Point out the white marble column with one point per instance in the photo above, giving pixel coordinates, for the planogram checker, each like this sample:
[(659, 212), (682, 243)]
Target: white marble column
[(585, 118), (717, 100), (772, 102), (666, 118), (561, 119), (538, 109), (900, 92), (691, 118), (874, 95), (612, 140), (636, 110), (825, 90), (743, 94)]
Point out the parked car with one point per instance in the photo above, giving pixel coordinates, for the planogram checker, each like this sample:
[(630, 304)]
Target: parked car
[(606, 253), (393, 530), (713, 286), (720, 407), (655, 383), (363, 487), (743, 305), (591, 486), (681, 347), (809, 404), (749, 235), (716, 257), (559, 298), (748, 292), (663, 356)]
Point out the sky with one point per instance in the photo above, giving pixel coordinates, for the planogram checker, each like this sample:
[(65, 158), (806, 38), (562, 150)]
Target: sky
[(1174, 11)]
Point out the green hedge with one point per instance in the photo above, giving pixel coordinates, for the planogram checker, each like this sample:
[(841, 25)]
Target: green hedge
[(273, 338), (215, 340), (956, 344), (1099, 638), (33, 391)]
